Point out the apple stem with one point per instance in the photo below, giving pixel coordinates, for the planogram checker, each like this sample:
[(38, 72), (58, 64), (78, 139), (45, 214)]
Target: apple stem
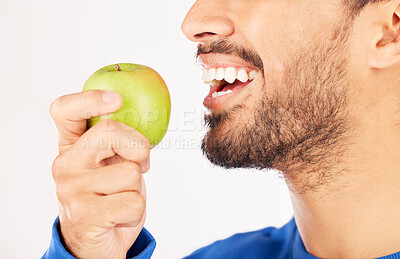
[(118, 67)]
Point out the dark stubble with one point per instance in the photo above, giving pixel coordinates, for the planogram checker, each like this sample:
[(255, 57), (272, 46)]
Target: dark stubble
[(298, 128)]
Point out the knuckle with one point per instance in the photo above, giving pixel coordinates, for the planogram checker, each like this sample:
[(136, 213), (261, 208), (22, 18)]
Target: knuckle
[(100, 129), (77, 210), (141, 145), (55, 107), (140, 203), (107, 124), (57, 167), (103, 124), (105, 127), (143, 153), (131, 168), (145, 144), (92, 95), (136, 204), (65, 189), (60, 197), (132, 174)]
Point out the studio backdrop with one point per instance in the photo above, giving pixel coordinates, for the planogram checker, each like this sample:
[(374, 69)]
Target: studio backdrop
[(49, 48)]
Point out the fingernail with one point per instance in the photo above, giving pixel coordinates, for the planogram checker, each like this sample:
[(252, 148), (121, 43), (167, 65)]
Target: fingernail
[(147, 166), (110, 97)]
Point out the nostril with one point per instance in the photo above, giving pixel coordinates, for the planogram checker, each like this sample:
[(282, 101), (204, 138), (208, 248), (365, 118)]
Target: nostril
[(203, 34)]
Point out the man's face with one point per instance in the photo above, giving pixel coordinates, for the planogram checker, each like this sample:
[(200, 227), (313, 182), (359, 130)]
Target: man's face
[(293, 114)]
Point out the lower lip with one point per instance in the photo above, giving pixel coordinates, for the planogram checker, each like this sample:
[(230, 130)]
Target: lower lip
[(221, 101)]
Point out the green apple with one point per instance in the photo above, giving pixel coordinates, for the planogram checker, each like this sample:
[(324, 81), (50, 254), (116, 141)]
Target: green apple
[(146, 101)]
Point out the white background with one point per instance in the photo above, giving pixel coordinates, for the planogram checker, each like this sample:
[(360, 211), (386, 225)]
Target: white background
[(49, 48)]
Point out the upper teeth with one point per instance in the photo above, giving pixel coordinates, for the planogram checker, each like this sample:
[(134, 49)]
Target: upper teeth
[(229, 74)]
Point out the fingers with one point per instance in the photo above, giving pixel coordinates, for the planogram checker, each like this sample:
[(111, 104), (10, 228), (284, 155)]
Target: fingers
[(107, 196), (112, 179), (70, 112), (125, 208), (97, 174), (106, 139), (106, 180)]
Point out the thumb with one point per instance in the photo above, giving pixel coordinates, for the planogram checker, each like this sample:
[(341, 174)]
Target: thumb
[(70, 112)]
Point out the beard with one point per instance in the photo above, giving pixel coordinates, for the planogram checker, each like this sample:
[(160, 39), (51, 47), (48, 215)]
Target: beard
[(298, 129)]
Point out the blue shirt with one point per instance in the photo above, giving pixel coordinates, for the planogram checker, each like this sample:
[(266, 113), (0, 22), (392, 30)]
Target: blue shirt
[(275, 243)]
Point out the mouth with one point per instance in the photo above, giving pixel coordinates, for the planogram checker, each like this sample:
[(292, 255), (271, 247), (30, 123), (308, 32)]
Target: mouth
[(226, 83)]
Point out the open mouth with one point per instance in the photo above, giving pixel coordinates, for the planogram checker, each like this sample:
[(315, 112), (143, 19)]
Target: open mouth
[(226, 81)]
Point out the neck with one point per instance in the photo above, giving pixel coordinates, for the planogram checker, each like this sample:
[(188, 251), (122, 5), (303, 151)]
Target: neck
[(354, 223), (357, 214)]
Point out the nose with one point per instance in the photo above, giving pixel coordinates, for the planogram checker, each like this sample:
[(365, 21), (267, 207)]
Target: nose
[(208, 20)]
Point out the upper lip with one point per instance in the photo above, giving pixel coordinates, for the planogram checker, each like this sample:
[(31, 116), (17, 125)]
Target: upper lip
[(224, 61)]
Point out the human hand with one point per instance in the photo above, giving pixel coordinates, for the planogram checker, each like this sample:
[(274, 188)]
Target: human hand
[(98, 176)]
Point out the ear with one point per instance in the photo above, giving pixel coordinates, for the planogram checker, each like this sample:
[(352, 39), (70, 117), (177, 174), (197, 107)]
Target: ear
[(386, 50)]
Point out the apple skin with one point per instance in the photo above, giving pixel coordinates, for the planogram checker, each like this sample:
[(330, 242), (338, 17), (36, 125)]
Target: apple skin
[(146, 101)]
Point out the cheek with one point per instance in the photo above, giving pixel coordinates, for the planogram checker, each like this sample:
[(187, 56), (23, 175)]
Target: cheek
[(278, 29), (274, 72), (267, 29)]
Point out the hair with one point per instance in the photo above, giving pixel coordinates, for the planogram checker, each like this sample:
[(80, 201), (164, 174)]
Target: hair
[(356, 6)]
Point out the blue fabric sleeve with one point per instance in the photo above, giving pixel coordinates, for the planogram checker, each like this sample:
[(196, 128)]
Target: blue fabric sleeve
[(143, 247)]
